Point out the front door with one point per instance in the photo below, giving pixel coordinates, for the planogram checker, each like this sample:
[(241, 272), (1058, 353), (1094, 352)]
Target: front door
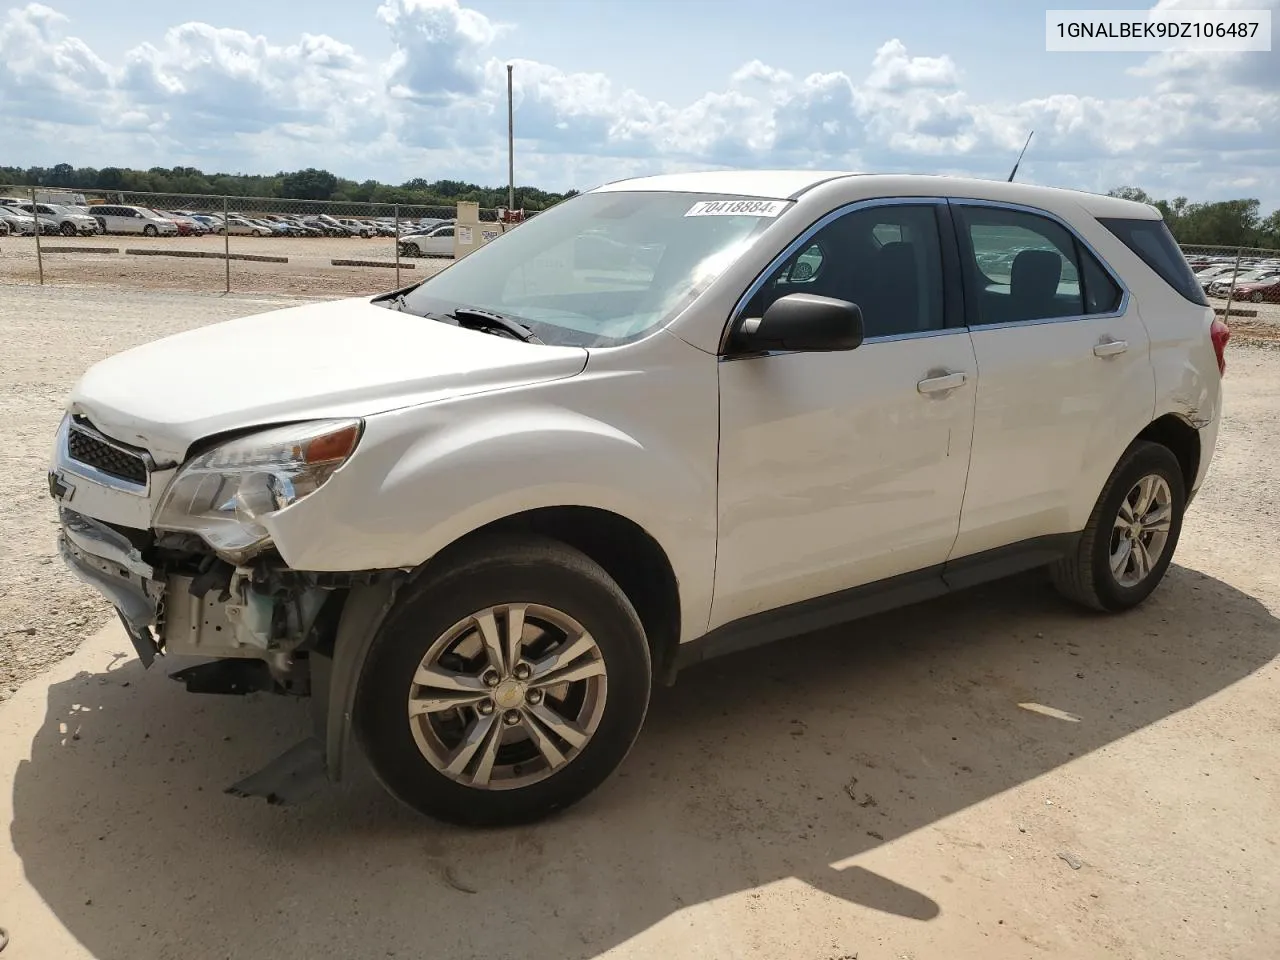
[(839, 469)]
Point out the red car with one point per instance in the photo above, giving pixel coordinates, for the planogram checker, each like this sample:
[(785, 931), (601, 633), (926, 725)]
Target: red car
[(1261, 291)]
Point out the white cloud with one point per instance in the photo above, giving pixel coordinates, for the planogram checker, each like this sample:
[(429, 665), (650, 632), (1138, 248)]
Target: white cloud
[(437, 108)]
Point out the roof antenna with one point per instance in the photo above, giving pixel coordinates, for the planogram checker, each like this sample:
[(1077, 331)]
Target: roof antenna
[(1014, 171)]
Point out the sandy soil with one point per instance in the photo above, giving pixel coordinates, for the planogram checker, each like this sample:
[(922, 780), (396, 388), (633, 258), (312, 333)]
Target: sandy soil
[(309, 271), (876, 791)]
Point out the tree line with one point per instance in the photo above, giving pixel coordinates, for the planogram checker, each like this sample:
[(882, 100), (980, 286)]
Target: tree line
[(1227, 223), (309, 184)]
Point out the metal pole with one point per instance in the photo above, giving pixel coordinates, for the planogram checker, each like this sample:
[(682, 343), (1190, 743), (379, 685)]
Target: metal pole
[(396, 211), (226, 243), (1231, 290), (39, 255), (511, 146)]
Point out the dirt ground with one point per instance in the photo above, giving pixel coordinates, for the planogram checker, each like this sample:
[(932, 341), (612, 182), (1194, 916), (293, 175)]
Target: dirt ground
[(308, 272), (994, 775)]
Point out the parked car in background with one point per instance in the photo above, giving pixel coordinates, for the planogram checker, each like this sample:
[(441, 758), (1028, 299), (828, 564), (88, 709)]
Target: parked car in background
[(330, 226), (1213, 272), (436, 242), (239, 226), (357, 228), (114, 218), (15, 223), (58, 219), (211, 223), (1263, 290), (1222, 286), (188, 226)]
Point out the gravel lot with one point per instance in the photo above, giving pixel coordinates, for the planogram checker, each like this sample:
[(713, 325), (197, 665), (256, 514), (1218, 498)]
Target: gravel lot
[(308, 272), (819, 799)]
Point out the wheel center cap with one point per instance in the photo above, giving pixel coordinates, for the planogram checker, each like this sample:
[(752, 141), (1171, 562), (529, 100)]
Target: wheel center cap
[(509, 694)]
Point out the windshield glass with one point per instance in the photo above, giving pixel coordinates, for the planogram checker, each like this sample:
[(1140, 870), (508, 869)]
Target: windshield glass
[(601, 269)]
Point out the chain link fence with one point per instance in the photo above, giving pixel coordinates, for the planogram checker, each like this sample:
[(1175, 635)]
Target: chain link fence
[(1241, 283), (222, 244)]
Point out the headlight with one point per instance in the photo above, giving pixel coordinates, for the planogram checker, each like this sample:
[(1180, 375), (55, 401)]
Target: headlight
[(224, 495)]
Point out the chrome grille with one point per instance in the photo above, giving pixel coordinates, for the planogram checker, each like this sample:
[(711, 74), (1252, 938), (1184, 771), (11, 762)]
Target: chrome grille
[(92, 450)]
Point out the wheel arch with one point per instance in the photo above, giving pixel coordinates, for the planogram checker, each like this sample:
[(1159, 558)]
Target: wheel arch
[(1177, 434), (628, 553)]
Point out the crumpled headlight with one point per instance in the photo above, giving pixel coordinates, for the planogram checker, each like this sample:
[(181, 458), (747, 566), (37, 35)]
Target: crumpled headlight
[(223, 495)]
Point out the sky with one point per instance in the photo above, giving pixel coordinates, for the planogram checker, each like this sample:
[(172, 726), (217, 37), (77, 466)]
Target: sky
[(605, 89)]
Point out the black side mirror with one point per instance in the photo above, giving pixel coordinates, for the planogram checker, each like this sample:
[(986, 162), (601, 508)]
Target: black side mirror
[(803, 321)]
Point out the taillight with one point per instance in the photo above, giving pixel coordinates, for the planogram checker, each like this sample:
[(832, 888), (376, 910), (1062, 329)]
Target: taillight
[(1220, 333)]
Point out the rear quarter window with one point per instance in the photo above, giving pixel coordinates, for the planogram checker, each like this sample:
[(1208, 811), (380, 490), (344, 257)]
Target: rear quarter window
[(1155, 246)]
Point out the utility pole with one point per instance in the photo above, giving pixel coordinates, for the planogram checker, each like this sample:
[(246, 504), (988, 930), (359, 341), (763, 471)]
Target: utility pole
[(511, 146)]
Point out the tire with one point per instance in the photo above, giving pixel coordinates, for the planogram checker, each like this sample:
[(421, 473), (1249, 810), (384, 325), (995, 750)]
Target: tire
[(550, 577), (413, 250), (1257, 296), (1086, 576), (150, 230), (67, 229)]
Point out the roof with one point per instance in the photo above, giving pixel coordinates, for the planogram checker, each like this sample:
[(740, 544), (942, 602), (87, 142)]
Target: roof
[(788, 184), (765, 184)]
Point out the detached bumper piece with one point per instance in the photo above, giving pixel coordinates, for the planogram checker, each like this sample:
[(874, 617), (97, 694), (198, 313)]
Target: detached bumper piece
[(290, 778), (108, 562)]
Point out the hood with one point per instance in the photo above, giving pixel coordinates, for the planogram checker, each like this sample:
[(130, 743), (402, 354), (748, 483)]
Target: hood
[(344, 358)]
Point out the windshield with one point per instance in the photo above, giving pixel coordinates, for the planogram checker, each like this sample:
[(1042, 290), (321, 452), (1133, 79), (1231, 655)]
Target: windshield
[(601, 269)]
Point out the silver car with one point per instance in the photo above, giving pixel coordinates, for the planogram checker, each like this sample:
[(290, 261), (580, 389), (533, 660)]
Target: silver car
[(55, 218)]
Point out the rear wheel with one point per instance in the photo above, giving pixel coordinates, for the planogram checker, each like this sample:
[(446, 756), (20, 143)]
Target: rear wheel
[(506, 687), (1129, 541)]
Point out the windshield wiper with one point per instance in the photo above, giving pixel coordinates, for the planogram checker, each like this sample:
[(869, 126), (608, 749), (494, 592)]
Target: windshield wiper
[(475, 318)]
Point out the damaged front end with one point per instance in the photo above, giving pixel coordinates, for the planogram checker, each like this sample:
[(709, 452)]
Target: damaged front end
[(260, 626), (203, 579)]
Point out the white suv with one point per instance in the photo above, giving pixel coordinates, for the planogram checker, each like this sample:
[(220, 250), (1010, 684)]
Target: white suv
[(477, 518)]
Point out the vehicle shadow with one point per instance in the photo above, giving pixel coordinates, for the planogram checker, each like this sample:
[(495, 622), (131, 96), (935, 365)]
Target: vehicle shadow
[(772, 764)]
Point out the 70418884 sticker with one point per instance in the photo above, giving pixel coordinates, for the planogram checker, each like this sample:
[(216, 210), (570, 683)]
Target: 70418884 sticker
[(736, 208)]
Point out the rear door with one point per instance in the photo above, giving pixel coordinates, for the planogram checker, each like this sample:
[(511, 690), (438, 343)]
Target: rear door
[(1065, 379)]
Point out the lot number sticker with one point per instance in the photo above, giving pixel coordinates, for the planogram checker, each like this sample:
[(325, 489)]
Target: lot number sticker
[(737, 208)]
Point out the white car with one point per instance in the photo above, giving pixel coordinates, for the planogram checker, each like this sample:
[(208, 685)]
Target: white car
[(478, 518), (14, 222), (436, 242), (59, 219), (114, 218)]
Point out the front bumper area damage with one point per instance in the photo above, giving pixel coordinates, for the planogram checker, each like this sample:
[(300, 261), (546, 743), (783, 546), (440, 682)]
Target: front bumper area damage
[(257, 626)]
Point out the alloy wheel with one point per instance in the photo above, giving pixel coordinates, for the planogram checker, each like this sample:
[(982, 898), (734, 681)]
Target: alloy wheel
[(1141, 530), (508, 696)]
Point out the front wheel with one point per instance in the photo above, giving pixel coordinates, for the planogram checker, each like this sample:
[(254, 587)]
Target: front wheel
[(67, 229), (505, 687), (412, 250), (1129, 541), (1258, 296), (150, 230)]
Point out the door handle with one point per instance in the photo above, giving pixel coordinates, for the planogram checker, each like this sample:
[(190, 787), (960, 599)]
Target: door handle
[(947, 381), (1110, 348)]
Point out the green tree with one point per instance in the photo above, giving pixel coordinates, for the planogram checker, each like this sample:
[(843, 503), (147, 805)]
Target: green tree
[(309, 184)]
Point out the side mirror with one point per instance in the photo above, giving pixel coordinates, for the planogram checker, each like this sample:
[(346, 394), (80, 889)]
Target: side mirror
[(803, 321)]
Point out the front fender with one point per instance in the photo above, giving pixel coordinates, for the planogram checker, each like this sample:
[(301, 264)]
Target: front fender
[(425, 476)]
